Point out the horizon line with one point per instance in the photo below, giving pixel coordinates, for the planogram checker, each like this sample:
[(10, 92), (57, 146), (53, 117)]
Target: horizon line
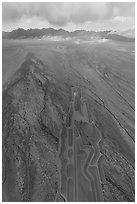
[(65, 29)]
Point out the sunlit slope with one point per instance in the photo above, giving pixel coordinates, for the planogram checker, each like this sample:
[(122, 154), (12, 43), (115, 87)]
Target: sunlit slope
[(36, 102)]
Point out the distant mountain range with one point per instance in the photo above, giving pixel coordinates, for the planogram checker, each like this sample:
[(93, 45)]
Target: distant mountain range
[(21, 33), (130, 33)]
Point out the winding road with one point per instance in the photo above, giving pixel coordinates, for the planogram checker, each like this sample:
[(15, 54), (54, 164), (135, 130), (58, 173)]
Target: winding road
[(81, 163)]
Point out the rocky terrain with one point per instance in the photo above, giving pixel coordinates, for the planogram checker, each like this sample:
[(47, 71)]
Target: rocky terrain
[(68, 98)]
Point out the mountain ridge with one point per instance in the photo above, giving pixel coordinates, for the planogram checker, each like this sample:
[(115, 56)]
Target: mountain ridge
[(21, 33)]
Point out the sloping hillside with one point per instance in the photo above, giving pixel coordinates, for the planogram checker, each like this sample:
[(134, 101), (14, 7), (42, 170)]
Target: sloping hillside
[(37, 110)]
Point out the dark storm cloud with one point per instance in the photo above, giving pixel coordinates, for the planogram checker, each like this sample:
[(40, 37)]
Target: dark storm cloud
[(63, 13)]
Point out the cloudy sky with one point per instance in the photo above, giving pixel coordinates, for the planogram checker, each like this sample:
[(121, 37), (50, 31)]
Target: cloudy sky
[(68, 15)]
